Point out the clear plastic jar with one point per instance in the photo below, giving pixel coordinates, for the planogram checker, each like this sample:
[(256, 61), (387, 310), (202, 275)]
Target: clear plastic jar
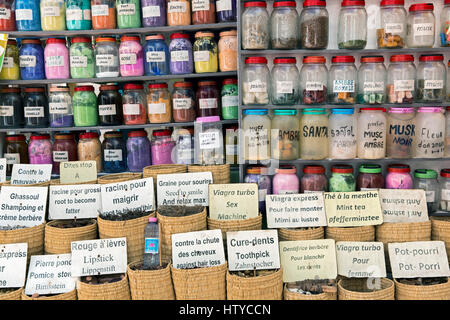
[(56, 59), (7, 15), (342, 179), (260, 176), (431, 78), (162, 147), (128, 14), (372, 80), (183, 102), (82, 61), (447, 133), (313, 80), (426, 179), (159, 103), (205, 52), (286, 181), (28, 15), (11, 108), (445, 24), (203, 11), (372, 133), (60, 107), (106, 58), (314, 22), (178, 12), (134, 104), (85, 110), (284, 31), (342, 134), (35, 107), (208, 141), (208, 97), (230, 99), (114, 152), (352, 32), (181, 56), (109, 103), (184, 148), (392, 31), (15, 150), (11, 62), (401, 131), (255, 25), (369, 177), (430, 133), (314, 179), (398, 177), (156, 56), (40, 149), (31, 60), (256, 128), (444, 194), (90, 149), (343, 82), (285, 81), (255, 81), (53, 15), (401, 78), (103, 14), (131, 57), (285, 135), (231, 145), (138, 151), (64, 149), (314, 134), (78, 15), (154, 13), (228, 50), (421, 25)]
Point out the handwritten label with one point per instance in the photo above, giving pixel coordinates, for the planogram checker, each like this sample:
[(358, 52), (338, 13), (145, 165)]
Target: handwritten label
[(13, 265), (403, 85), (156, 56), (360, 259), (343, 85), (237, 201), (128, 58), (106, 109), (30, 173), (77, 171), (402, 205), (179, 55), (105, 60)]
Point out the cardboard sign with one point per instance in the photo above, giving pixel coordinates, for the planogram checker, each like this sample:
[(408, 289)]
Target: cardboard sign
[(50, 274), (13, 265), (23, 206), (95, 257), (237, 201), (402, 205), (360, 259), (418, 259), (2, 170), (30, 173), (200, 249), (353, 209), (134, 195), (74, 202), (77, 171), (189, 189), (295, 210), (249, 250), (310, 259)]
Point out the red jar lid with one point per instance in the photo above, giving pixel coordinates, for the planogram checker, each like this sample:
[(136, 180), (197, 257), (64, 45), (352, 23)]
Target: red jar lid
[(348, 3), (399, 168), (284, 60), (447, 2), (84, 88), (421, 7), (63, 136), (56, 40), (314, 170), (286, 170), (337, 59), (431, 57), (17, 137), (372, 59), (10, 90), (344, 168), (314, 3), (80, 39), (108, 87), (251, 60), (182, 84), (284, 4), (130, 38), (314, 59), (88, 135), (255, 4), (31, 41), (155, 37), (206, 83), (133, 86), (229, 81), (34, 90), (157, 85), (402, 58), (179, 36), (161, 133), (257, 170), (445, 172), (40, 137), (373, 109), (384, 3), (137, 133)]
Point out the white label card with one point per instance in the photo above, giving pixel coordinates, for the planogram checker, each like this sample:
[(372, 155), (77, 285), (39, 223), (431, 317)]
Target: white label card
[(151, 11), (209, 140), (176, 7), (24, 14), (403, 85), (360, 259), (179, 55), (402, 205), (343, 85), (27, 61), (13, 265), (30, 173), (100, 10), (128, 58), (156, 56)]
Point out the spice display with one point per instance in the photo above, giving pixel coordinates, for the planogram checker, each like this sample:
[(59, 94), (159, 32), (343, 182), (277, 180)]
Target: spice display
[(431, 78), (162, 146), (444, 186), (342, 134), (184, 148), (284, 81), (154, 13), (31, 60), (285, 135), (255, 81), (228, 50), (255, 26), (205, 52), (28, 15), (53, 15), (156, 56), (401, 79), (131, 57), (60, 107), (203, 11), (392, 31), (90, 149), (226, 10), (284, 30), (342, 80), (231, 145), (426, 179), (11, 108), (372, 80), (445, 25), (56, 59), (10, 68), (159, 103), (183, 102), (256, 128), (134, 104), (313, 80), (420, 26), (64, 149), (312, 287), (401, 131), (314, 25), (207, 99), (208, 141), (109, 104), (78, 15), (342, 179), (178, 12), (15, 150), (114, 152), (81, 58), (103, 14), (285, 180), (352, 33), (314, 134), (372, 133), (7, 16), (106, 58), (138, 151), (398, 177), (260, 176), (369, 177), (230, 99), (314, 179), (430, 133), (40, 149), (85, 111), (35, 107), (128, 14), (181, 56)]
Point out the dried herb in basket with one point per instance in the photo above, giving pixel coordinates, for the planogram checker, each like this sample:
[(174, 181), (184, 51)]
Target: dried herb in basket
[(179, 211), (310, 287), (102, 279), (127, 215)]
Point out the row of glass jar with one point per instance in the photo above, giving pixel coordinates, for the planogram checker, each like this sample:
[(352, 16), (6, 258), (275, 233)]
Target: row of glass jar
[(55, 15), (343, 135), (400, 83), (285, 29), (342, 179)]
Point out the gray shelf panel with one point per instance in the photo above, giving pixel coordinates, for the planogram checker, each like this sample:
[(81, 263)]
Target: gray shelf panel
[(330, 106), (384, 160)]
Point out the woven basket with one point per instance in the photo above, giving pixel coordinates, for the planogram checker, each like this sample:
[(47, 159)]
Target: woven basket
[(289, 295), (153, 171), (365, 233), (34, 236), (172, 225), (200, 283), (119, 177), (267, 287), (352, 289), (431, 292), (440, 230), (235, 225), (13, 295), (40, 184), (71, 295), (58, 182), (285, 234), (58, 240), (108, 291), (220, 172), (150, 284), (132, 229)]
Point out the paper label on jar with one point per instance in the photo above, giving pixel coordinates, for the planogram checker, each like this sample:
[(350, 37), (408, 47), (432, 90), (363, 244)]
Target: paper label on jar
[(200, 5), (5, 14), (27, 61), (33, 112), (12, 158), (156, 56), (131, 109), (156, 108), (113, 155), (78, 61), (230, 101), (51, 12), (393, 28), (128, 58), (107, 109), (185, 154), (285, 87), (151, 11), (58, 108), (223, 5), (182, 104), (287, 191), (207, 103), (231, 149), (8, 62), (344, 86), (6, 111), (375, 86), (87, 14), (209, 140), (433, 84), (60, 156), (403, 85), (429, 195), (445, 194), (24, 14), (105, 60), (201, 56), (369, 189), (100, 10), (54, 61), (181, 55), (257, 86), (126, 9), (176, 7), (314, 86), (74, 14), (423, 29)]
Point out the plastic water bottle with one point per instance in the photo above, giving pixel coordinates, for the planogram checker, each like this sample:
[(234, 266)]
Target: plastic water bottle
[(151, 248)]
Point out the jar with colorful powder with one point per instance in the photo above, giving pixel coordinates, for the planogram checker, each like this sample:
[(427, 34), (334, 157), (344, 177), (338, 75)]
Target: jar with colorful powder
[(230, 99), (134, 104), (7, 15), (82, 60), (157, 56), (35, 107), (181, 56), (15, 150), (184, 148), (11, 108), (207, 99), (64, 149), (162, 146), (31, 60), (285, 180), (131, 57), (398, 177), (114, 152), (178, 12), (138, 151), (40, 149), (314, 179), (53, 15), (342, 179), (85, 111), (183, 102), (153, 13), (28, 15), (78, 15), (260, 176), (109, 105), (369, 177), (226, 10), (128, 14), (10, 69), (228, 50), (203, 11), (106, 58), (90, 149), (159, 103), (56, 59), (103, 14), (60, 107), (205, 52)]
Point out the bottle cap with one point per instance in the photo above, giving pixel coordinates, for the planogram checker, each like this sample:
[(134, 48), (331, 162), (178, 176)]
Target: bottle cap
[(342, 168), (314, 169), (285, 112), (399, 168), (425, 174), (370, 168)]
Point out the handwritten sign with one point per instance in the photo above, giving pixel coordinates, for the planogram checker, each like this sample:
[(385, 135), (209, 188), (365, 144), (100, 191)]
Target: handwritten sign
[(402, 205), (95, 257), (50, 274), (295, 210), (134, 195), (310, 259), (353, 209), (30, 173), (77, 201), (200, 249), (2, 170), (23, 206), (189, 189), (13, 265), (360, 259), (237, 201), (418, 259), (77, 171)]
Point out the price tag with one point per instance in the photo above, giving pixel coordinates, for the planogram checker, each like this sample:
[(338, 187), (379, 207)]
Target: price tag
[(13, 265), (237, 201), (30, 173), (360, 259)]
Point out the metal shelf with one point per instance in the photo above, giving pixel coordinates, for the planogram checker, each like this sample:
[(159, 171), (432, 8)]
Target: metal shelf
[(330, 106), (384, 160)]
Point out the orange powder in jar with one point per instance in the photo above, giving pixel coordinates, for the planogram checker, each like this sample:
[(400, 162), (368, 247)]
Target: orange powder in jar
[(178, 13), (228, 50), (103, 14)]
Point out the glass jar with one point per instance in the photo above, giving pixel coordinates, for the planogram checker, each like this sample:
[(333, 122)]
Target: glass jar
[(343, 80), (90, 149), (256, 128), (352, 32), (56, 59), (40, 149), (134, 104), (426, 179), (398, 177), (285, 80), (64, 149), (53, 15), (31, 60), (314, 25), (205, 52), (138, 151), (285, 132), (7, 15), (447, 133), (392, 31), (256, 81), (401, 79), (286, 181), (260, 176), (78, 15), (255, 26), (203, 11), (226, 10), (28, 15), (114, 152), (181, 57), (228, 50), (430, 127), (81, 58), (10, 69), (314, 134), (208, 141), (342, 179), (60, 107), (159, 106), (445, 25), (372, 80), (109, 103), (156, 56), (420, 29), (207, 99), (230, 99), (128, 14), (231, 145), (184, 145), (444, 194), (431, 78), (284, 31), (178, 12), (103, 14), (162, 147), (85, 110), (154, 13), (369, 177), (314, 179), (313, 80), (372, 133), (106, 58), (343, 130), (131, 57), (15, 150), (11, 108), (183, 102), (401, 125), (35, 107)]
